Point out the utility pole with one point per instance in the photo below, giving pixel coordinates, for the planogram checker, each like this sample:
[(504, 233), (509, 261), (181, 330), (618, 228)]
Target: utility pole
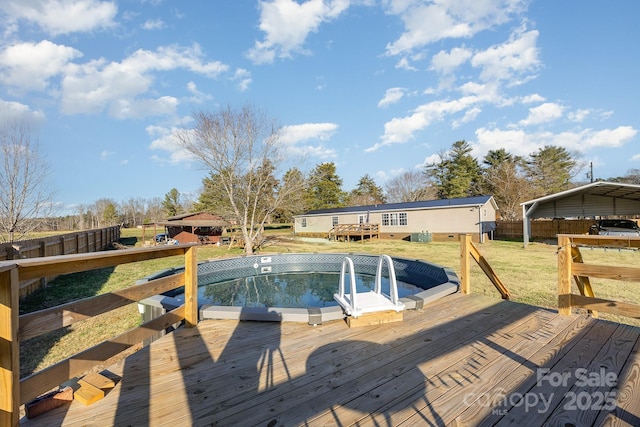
[(590, 173)]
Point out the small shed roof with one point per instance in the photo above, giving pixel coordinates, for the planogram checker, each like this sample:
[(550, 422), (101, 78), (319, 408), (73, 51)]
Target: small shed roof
[(200, 219), (196, 223), (422, 204)]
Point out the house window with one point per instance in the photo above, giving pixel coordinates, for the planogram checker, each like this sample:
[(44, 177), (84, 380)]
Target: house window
[(334, 221), (303, 222), (402, 218), (362, 219), (394, 219)]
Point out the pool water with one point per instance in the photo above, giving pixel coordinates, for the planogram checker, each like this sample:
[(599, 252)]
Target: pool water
[(295, 290)]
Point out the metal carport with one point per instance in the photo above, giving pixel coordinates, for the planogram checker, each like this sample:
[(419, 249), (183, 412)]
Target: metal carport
[(596, 199)]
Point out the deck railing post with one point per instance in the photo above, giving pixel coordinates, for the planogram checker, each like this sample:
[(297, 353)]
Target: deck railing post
[(9, 348), (465, 264), (564, 275), (190, 287)]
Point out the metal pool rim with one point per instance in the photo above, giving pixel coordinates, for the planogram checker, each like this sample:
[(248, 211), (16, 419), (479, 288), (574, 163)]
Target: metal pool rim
[(441, 280)]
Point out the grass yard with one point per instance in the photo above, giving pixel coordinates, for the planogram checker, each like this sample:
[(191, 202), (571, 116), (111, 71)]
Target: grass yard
[(530, 275)]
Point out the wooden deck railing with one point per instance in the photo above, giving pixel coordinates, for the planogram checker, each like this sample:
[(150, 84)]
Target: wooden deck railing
[(14, 328), (467, 251), (571, 266), (354, 230)]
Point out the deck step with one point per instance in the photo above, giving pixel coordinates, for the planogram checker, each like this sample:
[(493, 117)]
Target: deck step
[(378, 318)]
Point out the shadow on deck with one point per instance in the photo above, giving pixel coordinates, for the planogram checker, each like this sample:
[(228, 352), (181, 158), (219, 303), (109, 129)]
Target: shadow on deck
[(462, 360)]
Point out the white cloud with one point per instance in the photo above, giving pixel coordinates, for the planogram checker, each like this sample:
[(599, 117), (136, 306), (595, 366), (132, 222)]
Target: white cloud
[(294, 135), (401, 130), (521, 143), (469, 116), (514, 61), (30, 65), (485, 91), (609, 137), (105, 154), (445, 62), (391, 96), (579, 115), (121, 86), (514, 141), (164, 139), (287, 23), (153, 24), (198, 96), (243, 79), (429, 160), (533, 99), (62, 16), (428, 22), (138, 108), (11, 111), (404, 64), (544, 113)]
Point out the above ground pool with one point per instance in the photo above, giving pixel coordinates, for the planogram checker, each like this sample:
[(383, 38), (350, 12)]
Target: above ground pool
[(296, 287)]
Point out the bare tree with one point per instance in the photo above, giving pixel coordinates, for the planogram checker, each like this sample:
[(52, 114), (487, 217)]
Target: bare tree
[(25, 195), (241, 150), (409, 187), (510, 188), (133, 211), (154, 212)]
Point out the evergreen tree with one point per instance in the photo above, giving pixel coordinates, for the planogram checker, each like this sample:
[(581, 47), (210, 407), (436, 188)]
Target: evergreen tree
[(367, 192), (457, 174), (324, 188), (171, 203), (110, 214), (550, 170)]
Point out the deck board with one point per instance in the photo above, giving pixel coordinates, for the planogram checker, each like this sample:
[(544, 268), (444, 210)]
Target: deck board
[(437, 367)]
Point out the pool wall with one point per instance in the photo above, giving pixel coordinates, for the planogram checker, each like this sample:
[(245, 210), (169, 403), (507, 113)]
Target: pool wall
[(441, 281)]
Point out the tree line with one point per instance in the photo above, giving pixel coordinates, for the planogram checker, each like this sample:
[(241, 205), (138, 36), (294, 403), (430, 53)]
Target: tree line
[(249, 184)]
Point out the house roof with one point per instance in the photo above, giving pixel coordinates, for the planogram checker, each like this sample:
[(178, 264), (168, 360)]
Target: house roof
[(422, 204)]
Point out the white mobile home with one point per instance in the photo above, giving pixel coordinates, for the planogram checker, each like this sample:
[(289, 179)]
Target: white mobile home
[(443, 219)]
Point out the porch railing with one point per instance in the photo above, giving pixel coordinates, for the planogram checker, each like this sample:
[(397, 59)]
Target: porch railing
[(572, 267), (15, 328)]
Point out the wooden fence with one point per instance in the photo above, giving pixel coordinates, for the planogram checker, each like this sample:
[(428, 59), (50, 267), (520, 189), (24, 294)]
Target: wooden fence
[(63, 244), (543, 229)]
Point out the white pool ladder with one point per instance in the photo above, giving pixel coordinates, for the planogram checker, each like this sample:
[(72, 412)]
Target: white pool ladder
[(355, 303)]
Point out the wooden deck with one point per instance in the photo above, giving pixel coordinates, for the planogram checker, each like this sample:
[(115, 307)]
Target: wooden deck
[(463, 360), (345, 232)]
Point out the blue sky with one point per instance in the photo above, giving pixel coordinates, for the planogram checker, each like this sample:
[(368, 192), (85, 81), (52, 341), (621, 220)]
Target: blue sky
[(377, 87)]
